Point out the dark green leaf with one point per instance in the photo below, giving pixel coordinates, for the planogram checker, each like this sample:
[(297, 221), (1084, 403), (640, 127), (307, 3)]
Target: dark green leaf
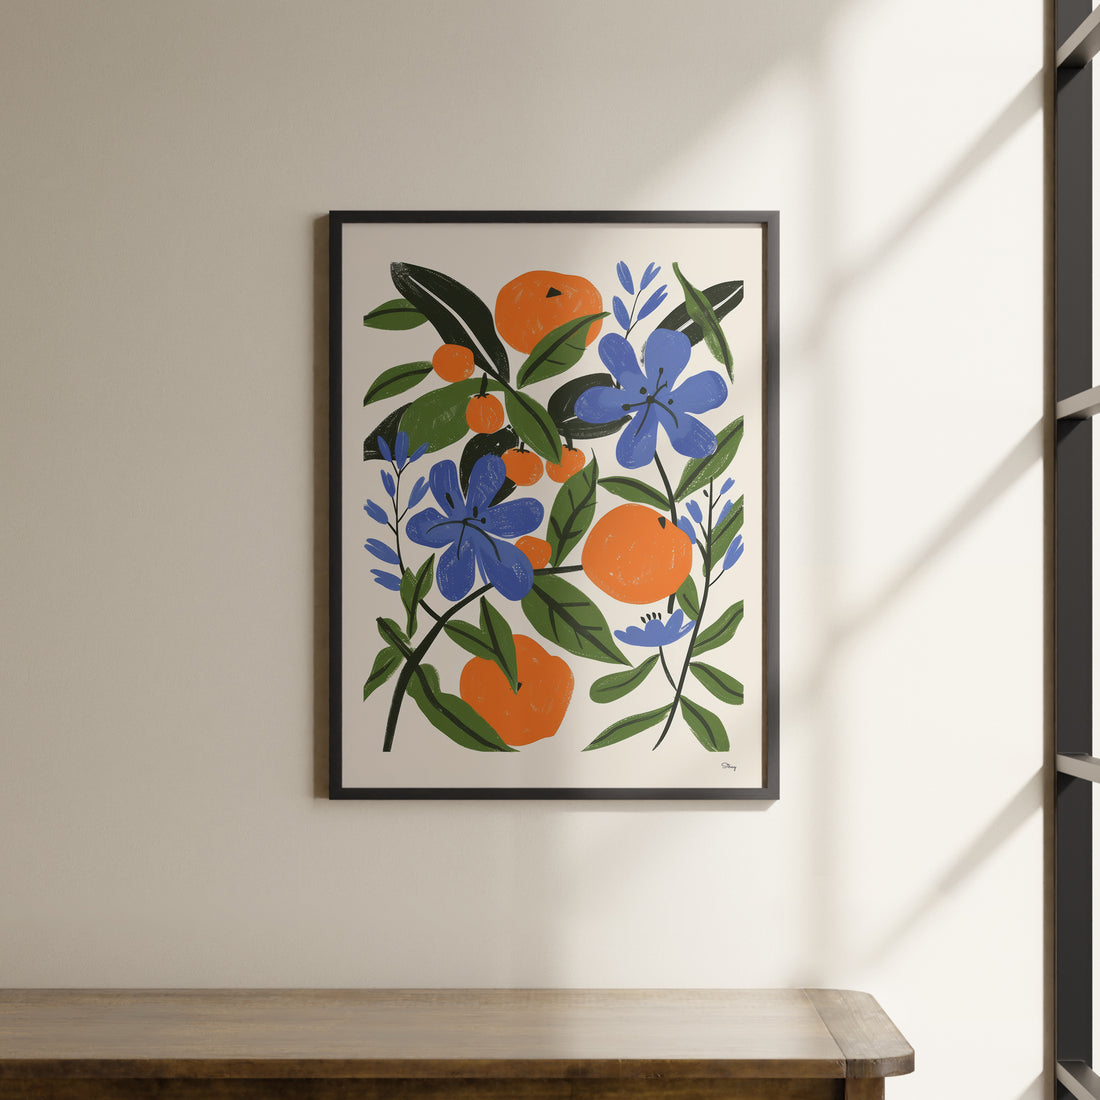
[(497, 632), (687, 596), (394, 314), (722, 296), (452, 715), (724, 532), (534, 425), (391, 634), (572, 512), (458, 314), (565, 615), (701, 470), (397, 380), (439, 418), (630, 488), (414, 588), (562, 408), (720, 684), (557, 351), (388, 430), (470, 638), (628, 727), (617, 684), (707, 727), (722, 631), (385, 664), (702, 313), (487, 443)]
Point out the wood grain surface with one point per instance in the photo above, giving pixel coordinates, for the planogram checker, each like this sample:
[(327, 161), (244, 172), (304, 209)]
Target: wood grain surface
[(422, 1044)]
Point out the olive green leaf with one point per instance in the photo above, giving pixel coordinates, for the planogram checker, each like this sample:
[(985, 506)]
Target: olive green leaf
[(617, 684), (497, 632), (720, 684), (572, 512), (723, 297), (701, 470), (687, 596), (565, 615), (385, 665), (707, 727), (397, 380), (722, 631), (628, 727), (452, 715), (414, 588), (630, 488), (557, 351), (391, 634), (397, 313), (702, 313), (534, 425), (439, 417)]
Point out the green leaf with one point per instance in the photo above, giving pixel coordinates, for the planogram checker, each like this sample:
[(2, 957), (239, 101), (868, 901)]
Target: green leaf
[(563, 411), (720, 684), (628, 727), (701, 470), (687, 596), (397, 313), (572, 512), (470, 638), (722, 631), (702, 313), (497, 632), (385, 665), (414, 588), (565, 615), (534, 425), (557, 351), (397, 380), (391, 634), (707, 727), (387, 430), (724, 532), (617, 684), (723, 297), (452, 715), (458, 314), (630, 488), (439, 418)]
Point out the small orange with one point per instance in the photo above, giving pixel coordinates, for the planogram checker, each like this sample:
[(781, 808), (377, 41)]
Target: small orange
[(537, 302), (536, 709), (538, 550), (571, 461), (485, 413), (636, 555), (522, 466), (453, 362)]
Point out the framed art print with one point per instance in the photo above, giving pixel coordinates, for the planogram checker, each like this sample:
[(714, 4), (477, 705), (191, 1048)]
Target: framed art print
[(554, 486)]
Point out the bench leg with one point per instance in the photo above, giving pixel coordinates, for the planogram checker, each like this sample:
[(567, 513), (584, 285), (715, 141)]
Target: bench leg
[(864, 1088)]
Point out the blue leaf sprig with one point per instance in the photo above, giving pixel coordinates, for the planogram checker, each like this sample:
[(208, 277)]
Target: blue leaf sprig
[(628, 318), (399, 459)]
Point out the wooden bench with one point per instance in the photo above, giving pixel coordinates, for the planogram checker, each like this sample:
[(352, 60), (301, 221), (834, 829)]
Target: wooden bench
[(789, 1044)]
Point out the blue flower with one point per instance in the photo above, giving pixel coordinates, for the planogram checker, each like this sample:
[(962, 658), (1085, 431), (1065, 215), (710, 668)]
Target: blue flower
[(387, 580), (736, 549), (654, 632), (376, 512), (472, 530), (649, 396)]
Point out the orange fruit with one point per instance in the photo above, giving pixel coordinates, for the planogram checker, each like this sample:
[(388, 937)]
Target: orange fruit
[(537, 302), (571, 461), (636, 555), (453, 362), (485, 413), (532, 712), (538, 550), (522, 466)]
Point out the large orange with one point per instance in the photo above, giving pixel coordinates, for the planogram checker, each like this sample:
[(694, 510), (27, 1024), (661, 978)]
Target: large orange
[(534, 711), (537, 302), (636, 555)]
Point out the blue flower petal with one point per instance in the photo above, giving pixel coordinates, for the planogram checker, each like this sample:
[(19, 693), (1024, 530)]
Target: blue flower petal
[(506, 568), (454, 574), (726, 486), (667, 352), (621, 314), (695, 510), (624, 277), (691, 437), (638, 441), (387, 580), (600, 404), (512, 518), (376, 512), (619, 356), (685, 525), (419, 452), (700, 393), (401, 448), (486, 478), (656, 633), (649, 276), (443, 479), (388, 483), (737, 548), (381, 550), (429, 528), (653, 301), (384, 449), (725, 511), (418, 491)]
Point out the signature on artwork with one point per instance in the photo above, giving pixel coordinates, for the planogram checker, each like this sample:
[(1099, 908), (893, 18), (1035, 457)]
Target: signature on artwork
[(732, 767)]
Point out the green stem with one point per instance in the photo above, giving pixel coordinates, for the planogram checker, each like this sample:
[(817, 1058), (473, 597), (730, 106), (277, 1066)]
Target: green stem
[(664, 665)]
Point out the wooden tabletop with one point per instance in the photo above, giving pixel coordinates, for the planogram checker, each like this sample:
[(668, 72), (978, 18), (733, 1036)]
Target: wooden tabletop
[(795, 1033)]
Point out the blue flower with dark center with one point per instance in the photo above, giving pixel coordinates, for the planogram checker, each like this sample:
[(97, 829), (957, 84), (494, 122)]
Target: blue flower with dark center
[(651, 397), (654, 632), (472, 530)]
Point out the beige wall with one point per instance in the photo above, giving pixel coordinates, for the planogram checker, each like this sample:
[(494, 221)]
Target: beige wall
[(163, 171)]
